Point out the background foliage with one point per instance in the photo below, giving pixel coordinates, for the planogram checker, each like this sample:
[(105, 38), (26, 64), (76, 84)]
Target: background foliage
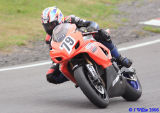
[(20, 20)]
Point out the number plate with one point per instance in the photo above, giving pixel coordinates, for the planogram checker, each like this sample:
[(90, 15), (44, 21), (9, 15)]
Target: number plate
[(68, 44)]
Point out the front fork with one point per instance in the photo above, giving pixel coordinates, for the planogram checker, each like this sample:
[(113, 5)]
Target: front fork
[(91, 69), (95, 75)]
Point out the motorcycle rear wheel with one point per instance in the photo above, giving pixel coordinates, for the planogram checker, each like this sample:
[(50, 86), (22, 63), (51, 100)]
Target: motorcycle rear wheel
[(92, 93), (133, 89)]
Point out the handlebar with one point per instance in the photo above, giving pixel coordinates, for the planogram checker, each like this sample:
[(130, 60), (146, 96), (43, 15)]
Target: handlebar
[(89, 33), (93, 32)]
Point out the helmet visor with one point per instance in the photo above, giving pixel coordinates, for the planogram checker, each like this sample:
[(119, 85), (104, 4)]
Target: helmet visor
[(50, 26)]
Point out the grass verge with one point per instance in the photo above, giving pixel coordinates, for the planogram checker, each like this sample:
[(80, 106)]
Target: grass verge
[(20, 20), (151, 29)]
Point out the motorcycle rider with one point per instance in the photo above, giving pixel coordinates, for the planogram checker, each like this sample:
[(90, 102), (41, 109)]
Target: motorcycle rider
[(52, 16)]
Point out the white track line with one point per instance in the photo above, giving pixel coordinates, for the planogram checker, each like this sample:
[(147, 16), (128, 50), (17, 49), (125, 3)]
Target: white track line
[(140, 45), (49, 62), (26, 66), (153, 22)]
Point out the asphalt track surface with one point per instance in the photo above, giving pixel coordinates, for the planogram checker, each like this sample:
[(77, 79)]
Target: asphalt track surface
[(27, 91)]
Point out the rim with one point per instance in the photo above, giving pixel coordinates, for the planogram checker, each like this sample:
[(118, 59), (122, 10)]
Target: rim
[(100, 89), (132, 80), (134, 84), (97, 86)]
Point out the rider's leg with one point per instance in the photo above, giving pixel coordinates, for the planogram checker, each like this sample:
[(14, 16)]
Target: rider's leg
[(124, 61), (54, 75), (106, 40)]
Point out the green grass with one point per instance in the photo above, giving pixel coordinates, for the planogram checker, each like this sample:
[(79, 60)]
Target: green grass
[(20, 20), (124, 20), (151, 29)]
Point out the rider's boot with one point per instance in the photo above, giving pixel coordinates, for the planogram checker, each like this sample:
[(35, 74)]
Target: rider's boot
[(123, 61)]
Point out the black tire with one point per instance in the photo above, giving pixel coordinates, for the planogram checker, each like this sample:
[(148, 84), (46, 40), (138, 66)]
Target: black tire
[(88, 90), (131, 93)]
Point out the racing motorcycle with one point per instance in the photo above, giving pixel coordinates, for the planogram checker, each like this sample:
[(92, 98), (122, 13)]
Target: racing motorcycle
[(90, 66)]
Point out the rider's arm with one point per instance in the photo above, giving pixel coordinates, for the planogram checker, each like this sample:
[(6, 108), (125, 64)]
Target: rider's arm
[(81, 22), (47, 39), (102, 35)]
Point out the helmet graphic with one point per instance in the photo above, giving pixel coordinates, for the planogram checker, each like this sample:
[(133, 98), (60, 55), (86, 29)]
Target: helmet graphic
[(51, 17)]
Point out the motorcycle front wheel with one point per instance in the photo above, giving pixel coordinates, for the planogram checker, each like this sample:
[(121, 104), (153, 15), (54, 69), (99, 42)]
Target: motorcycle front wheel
[(96, 93)]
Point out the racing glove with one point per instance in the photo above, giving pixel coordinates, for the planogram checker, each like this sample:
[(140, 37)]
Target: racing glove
[(104, 35)]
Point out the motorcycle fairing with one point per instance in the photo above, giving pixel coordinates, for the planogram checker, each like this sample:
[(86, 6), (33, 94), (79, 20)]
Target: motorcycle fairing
[(73, 37)]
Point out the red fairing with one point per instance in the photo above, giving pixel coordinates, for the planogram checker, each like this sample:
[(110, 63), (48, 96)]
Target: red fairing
[(63, 51)]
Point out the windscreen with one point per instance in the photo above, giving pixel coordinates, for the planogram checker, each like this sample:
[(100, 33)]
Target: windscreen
[(60, 31)]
